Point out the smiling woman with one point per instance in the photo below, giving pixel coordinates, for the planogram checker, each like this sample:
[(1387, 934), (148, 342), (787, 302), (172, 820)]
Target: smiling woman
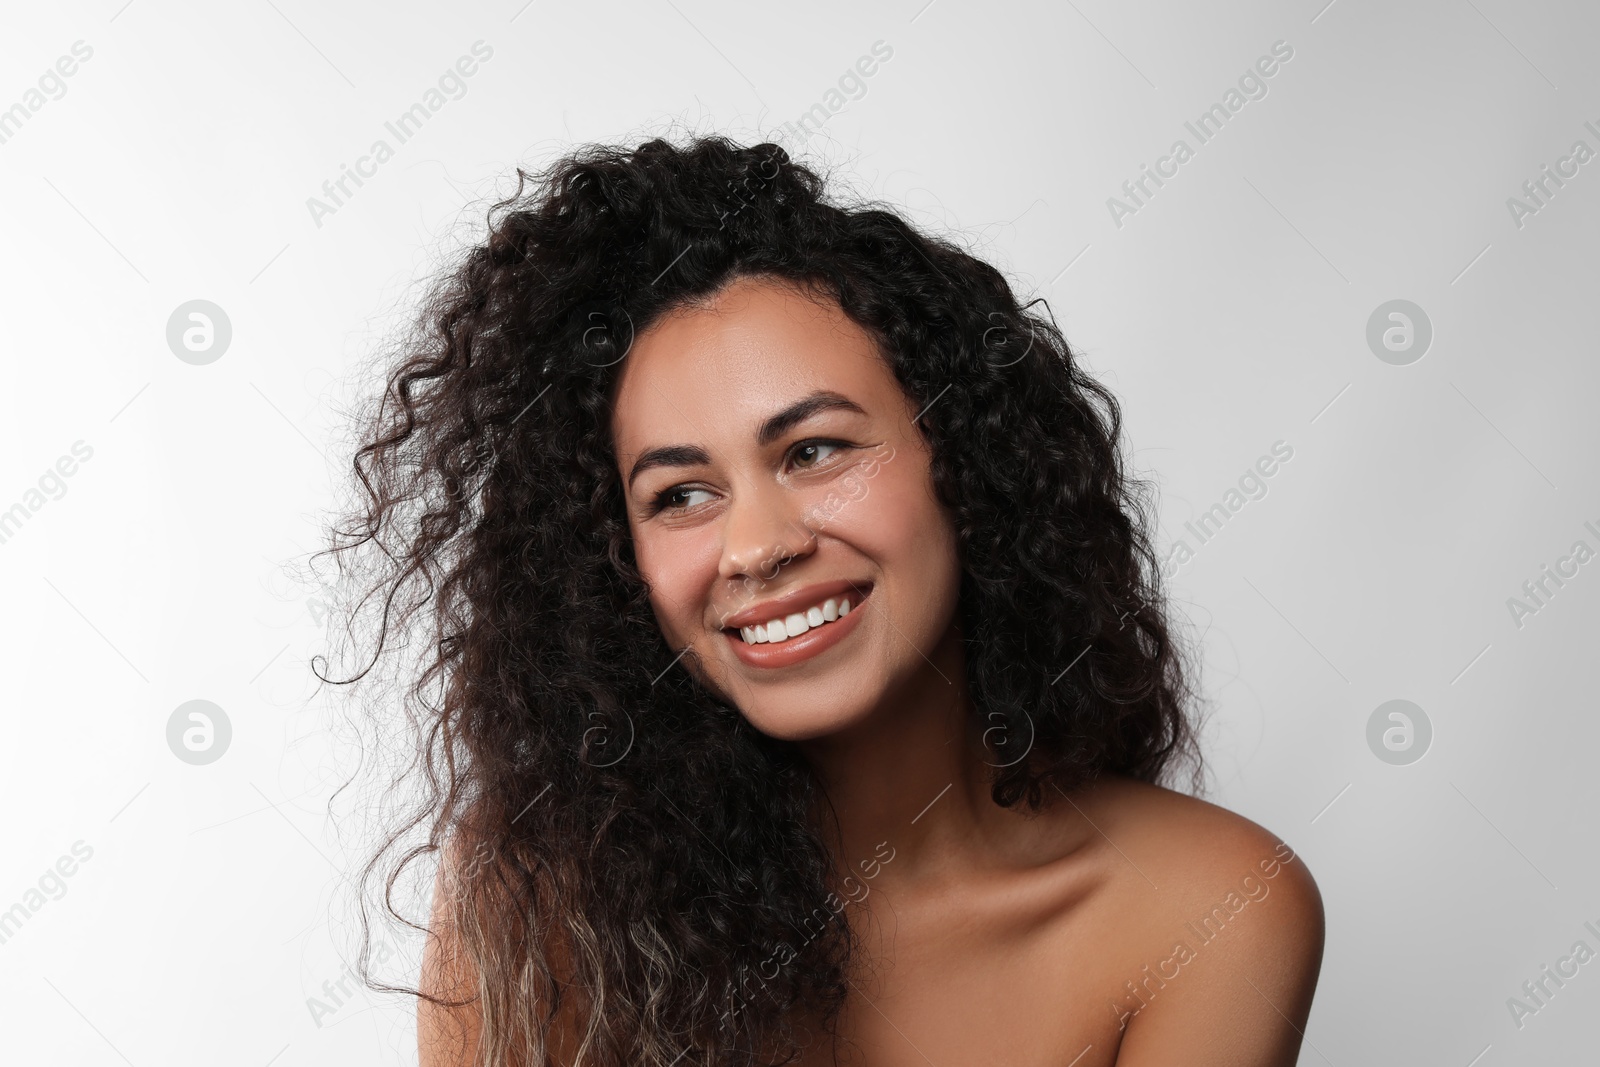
[(807, 690), (777, 397)]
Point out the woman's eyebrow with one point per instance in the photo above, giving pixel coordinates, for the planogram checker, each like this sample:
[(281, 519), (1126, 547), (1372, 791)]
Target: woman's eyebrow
[(773, 428), (801, 410), (668, 456)]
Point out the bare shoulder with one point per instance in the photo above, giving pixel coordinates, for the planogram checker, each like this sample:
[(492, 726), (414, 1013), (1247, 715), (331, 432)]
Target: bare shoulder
[(447, 1030), (451, 1018), (1197, 846), (1220, 922)]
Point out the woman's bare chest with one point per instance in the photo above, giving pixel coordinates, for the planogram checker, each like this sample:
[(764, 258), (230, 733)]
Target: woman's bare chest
[(957, 989)]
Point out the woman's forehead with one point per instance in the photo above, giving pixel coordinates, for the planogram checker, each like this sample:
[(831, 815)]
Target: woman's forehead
[(755, 348)]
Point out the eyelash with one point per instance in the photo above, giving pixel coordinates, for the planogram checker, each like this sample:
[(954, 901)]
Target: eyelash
[(659, 502)]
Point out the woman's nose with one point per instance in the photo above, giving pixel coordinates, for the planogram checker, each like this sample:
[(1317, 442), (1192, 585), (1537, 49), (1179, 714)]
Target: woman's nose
[(764, 529)]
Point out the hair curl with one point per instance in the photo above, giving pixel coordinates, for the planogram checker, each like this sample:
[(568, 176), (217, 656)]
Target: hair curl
[(636, 843)]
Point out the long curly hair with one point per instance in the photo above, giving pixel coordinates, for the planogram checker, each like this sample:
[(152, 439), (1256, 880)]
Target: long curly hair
[(626, 841)]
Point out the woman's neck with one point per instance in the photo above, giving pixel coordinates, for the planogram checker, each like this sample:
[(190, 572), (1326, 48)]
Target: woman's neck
[(912, 778)]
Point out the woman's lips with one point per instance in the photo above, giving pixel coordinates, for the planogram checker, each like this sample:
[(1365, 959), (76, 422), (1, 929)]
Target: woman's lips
[(798, 599), (813, 642)]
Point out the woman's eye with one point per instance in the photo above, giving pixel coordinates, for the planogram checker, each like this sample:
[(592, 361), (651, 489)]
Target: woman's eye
[(811, 453), (678, 498)]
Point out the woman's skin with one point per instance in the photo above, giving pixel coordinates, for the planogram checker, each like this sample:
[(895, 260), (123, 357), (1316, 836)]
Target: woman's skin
[(1074, 937)]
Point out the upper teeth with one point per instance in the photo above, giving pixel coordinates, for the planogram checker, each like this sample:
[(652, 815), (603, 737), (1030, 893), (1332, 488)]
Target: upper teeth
[(798, 623)]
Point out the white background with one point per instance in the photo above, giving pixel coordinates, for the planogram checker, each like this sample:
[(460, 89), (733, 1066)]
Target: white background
[(1228, 313)]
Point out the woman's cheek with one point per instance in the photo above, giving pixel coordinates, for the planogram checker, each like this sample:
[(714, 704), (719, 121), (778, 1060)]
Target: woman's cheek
[(909, 536), (895, 516), (680, 567)]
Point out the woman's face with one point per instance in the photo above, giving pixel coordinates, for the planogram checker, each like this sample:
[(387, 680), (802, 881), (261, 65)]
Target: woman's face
[(771, 466)]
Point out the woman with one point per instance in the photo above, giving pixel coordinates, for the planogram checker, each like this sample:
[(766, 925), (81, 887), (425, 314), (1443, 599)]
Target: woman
[(807, 689)]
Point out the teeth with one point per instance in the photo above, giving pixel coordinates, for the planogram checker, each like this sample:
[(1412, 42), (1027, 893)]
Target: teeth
[(830, 610)]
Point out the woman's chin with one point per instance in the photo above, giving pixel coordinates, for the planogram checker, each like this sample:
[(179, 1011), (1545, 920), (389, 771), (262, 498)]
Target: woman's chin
[(805, 723)]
